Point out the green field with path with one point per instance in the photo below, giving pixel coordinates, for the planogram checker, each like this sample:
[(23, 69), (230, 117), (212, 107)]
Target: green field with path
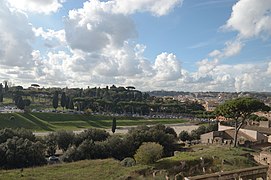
[(58, 121)]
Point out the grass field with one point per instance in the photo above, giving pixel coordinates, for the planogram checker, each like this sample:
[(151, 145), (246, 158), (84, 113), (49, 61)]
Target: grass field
[(111, 169), (234, 158), (57, 121), (88, 169)]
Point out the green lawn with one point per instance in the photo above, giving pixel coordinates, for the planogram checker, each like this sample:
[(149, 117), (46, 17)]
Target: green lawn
[(58, 121)]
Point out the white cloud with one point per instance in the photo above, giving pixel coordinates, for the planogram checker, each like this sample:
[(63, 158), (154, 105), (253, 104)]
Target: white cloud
[(232, 48), (156, 7), (215, 53), (15, 38), (52, 38), (98, 25), (167, 67), (37, 6), (251, 18), (214, 76), (269, 69), (94, 27)]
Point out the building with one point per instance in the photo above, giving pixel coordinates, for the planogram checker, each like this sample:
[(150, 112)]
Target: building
[(225, 135)]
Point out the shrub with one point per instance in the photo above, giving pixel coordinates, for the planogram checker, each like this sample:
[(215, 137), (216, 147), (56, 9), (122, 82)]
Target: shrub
[(128, 162), (64, 139), (148, 153), (184, 136)]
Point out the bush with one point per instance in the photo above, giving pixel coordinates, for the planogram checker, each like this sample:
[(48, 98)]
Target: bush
[(184, 136), (148, 153), (91, 134), (64, 139), (136, 136), (128, 162)]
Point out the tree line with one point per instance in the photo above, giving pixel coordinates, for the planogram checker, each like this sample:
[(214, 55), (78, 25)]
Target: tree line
[(20, 148)]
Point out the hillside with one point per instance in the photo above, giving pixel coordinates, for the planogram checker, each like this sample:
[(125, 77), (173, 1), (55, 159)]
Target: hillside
[(58, 121), (233, 158)]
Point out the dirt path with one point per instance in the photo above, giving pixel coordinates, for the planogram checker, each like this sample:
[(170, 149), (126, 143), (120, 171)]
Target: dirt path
[(124, 129)]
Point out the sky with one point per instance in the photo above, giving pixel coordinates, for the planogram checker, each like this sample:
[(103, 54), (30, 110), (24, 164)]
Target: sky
[(180, 45)]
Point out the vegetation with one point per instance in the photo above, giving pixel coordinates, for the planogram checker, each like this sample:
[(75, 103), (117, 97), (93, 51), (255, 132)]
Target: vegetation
[(240, 110), (216, 158), (112, 99), (114, 125), (148, 153), (19, 148), (87, 169), (61, 121), (220, 158), (96, 143), (195, 134)]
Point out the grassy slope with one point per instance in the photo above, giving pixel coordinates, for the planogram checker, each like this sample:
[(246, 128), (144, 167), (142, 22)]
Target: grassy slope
[(111, 169), (236, 158), (54, 121), (88, 169)]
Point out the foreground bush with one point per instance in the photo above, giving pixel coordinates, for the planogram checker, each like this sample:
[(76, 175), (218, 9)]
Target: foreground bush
[(19, 148), (148, 153)]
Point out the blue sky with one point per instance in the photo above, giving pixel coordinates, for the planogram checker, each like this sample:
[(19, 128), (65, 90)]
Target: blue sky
[(183, 45)]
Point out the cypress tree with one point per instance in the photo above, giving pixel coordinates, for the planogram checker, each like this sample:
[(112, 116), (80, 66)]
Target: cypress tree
[(63, 100), (114, 125), (1, 97), (55, 100)]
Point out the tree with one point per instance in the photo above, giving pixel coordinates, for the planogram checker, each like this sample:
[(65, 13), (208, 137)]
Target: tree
[(184, 136), (148, 153), (64, 139), (71, 105), (1, 87), (20, 103), (1, 97), (55, 100), (63, 100), (6, 86), (239, 110), (67, 105), (27, 102), (51, 144), (114, 125)]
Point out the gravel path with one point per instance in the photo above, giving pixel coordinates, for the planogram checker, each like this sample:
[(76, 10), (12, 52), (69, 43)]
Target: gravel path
[(124, 129)]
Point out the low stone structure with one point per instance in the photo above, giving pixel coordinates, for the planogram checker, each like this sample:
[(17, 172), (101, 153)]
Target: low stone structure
[(253, 173)]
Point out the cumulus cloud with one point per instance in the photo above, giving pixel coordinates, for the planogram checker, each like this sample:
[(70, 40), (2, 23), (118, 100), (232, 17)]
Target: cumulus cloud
[(98, 24), (167, 67), (15, 38), (34, 6), (156, 7), (94, 27), (214, 76), (251, 18)]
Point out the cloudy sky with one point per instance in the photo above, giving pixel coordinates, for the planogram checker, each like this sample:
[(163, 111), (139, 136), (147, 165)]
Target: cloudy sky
[(183, 45)]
